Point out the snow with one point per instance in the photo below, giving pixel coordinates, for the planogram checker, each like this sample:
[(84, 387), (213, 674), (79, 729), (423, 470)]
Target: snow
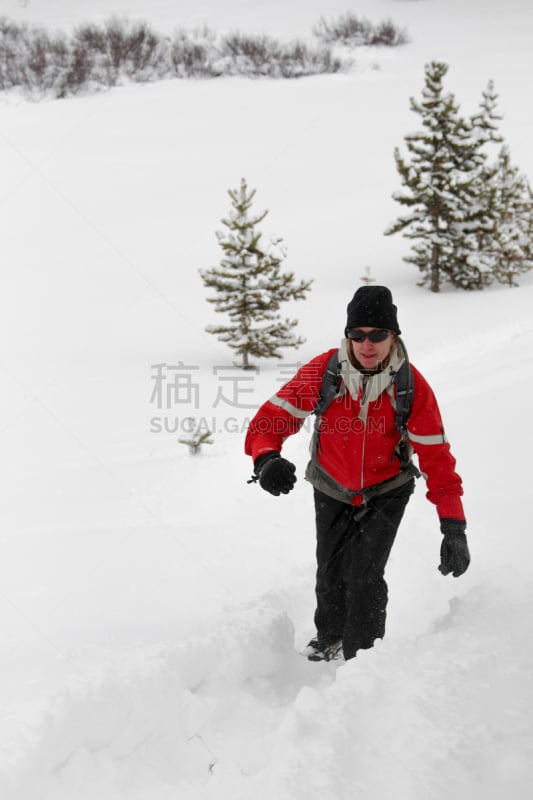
[(152, 604)]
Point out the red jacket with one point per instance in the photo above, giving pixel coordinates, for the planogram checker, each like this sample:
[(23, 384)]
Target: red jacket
[(358, 438)]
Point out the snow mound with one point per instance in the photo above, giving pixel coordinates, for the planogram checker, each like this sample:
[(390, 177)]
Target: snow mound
[(241, 714), (144, 719)]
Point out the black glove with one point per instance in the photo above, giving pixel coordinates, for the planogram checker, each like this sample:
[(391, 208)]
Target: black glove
[(275, 474), (454, 553)]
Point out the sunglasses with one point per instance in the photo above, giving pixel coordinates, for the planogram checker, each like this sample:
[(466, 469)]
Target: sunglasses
[(374, 336)]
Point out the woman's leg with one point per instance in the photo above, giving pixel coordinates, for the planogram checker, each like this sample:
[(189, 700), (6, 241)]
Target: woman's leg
[(364, 563)]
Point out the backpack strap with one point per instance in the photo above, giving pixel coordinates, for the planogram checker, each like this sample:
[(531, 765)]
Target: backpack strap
[(404, 384), (404, 397), (329, 389)]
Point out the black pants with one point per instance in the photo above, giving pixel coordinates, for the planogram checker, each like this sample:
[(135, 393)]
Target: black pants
[(353, 547)]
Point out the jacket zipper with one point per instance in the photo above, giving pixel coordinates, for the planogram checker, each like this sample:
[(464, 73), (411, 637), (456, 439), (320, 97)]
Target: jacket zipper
[(366, 382)]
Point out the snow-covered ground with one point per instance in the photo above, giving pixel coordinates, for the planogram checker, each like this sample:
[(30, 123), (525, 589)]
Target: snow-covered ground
[(152, 604)]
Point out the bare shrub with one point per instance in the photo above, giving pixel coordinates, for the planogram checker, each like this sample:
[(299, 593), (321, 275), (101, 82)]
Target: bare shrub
[(248, 55), (80, 73), (348, 29), (47, 57), (135, 50), (120, 49), (353, 31), (297, 60), (11, 45), (39, 62), (387, 33), (193, 55), (31, 57), (264, 56)]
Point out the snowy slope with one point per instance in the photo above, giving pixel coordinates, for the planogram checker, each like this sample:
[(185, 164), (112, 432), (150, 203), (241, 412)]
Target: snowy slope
[(152, 604)]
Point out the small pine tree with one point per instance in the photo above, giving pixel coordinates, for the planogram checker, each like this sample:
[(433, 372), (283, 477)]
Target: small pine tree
[(367, 277), (438, 179), (502, 207), (449, 187), (197, 438), (196, 441), (512, 243), (250, 285), (485, 122), (472, 221), (475, 247), (472, 262)]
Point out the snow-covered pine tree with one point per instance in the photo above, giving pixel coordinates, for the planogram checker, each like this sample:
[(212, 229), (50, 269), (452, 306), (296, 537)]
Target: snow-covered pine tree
[(431, 181), (444, 179), (473, 260), (250, 286), (485, 122), (505, 219), (511, 237)]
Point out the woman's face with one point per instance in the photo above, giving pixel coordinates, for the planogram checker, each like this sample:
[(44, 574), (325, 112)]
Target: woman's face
[(371, 354)]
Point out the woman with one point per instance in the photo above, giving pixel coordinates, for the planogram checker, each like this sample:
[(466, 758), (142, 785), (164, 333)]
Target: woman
[(360, 470)]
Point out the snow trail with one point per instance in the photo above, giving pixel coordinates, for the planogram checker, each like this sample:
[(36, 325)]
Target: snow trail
[(241, 713)]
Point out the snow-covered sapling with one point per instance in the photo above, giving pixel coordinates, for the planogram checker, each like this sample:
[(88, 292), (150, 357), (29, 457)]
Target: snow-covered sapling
[(250, 285)]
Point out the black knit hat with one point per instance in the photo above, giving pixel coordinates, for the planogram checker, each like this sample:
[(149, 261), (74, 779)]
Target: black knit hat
[(372, 307)]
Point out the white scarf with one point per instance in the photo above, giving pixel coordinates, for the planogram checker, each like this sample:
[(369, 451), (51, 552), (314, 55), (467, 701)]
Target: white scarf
[(367, 387)]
